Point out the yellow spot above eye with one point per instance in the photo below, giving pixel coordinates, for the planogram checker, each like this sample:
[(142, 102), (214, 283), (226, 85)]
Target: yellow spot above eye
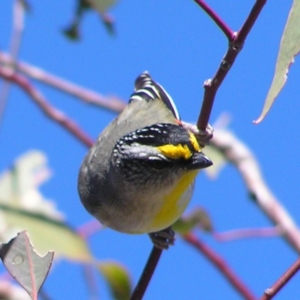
[(180, 151), (194, 142), (175, 151)]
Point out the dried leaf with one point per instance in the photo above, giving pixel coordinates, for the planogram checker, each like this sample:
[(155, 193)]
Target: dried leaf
[(24, 264), (117, 278), (289, 48)]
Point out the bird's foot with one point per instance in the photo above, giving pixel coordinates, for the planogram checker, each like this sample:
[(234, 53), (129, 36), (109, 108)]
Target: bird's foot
[(203, 136), (163, 239)]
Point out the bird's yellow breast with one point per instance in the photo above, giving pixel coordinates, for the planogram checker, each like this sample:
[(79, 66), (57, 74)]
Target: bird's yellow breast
[(173, 204)]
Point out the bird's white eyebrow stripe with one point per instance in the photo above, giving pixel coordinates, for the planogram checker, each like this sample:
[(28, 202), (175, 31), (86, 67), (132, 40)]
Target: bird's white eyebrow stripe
[(147, 89)]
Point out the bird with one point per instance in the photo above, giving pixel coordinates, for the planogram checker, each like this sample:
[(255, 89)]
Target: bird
[(139, 175)]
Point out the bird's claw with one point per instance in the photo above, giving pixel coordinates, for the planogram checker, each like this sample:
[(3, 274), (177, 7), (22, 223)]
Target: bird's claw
[(163, 239), (203, 136)]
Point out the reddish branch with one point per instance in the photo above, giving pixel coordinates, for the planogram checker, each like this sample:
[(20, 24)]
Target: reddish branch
[(213, 15), (146, 276), (17, 31), (221, 265), (281, 282), (88, 229), (236, 41), (89, 96), (49, 110)]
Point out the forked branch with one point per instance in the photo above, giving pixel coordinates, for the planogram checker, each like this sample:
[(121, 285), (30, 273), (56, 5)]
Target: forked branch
[(236, 42)]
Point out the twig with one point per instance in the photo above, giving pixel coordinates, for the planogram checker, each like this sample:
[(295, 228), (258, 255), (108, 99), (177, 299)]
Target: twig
[(236, 42), (244, 31), (88, 229), (282, 281), (91, 281), (239, 155), (247, 233), (50, 111), (18, 27), (89, 96), (213, 15), (220, 264), (146, 276)]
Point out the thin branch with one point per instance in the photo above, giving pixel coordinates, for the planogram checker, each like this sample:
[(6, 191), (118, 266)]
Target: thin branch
[(220, 264), (17, 31), (247, 26), (146, 276), (49, 110), (91, 281), (239, 155), (88, 229), (247, 233), (236, 42), (215, 17), (282, 281), (110, 103)]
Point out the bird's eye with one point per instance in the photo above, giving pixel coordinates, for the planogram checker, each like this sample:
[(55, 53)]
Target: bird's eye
[(157, 163)]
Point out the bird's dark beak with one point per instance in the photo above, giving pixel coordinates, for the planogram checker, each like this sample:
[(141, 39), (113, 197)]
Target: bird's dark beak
[(199, 161)]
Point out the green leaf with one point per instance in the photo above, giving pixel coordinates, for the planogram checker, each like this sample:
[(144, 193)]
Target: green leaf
[(117, 278), (101, 5), (46, 233), (289, 48), (22, 207), (197, 218)]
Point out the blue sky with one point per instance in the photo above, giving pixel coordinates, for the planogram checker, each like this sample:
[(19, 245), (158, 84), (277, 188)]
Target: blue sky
[(180, 47)]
